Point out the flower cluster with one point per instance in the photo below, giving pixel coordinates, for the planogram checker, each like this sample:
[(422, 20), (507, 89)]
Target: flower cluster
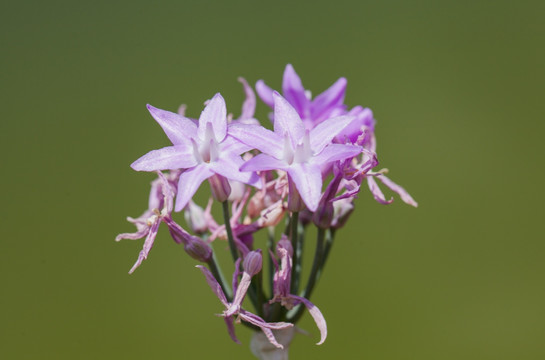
[(306, 171)]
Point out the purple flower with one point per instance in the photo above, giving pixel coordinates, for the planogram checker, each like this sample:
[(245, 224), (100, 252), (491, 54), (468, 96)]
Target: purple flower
[(298, 151), (203, 151), (281, 285), (252, 265), (327, 104)]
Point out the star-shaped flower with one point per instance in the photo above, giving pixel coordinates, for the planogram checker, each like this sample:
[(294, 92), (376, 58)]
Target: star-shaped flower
[(204, 151), (300, 152), (328, 104)]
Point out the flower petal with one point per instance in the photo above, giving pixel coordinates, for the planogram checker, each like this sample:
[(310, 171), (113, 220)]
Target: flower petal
[(263, 162), (228, 166), (214, 285), (334, 152), (214, 113), (148, 244), (233, 145), (316, 315), (248, 106), (308, 181), (377, 193), (265, 93), (229, 321), (329, 99), (398, 189), (167, 158), (189, 182), (287, 121), (178, 128), (293, 90), (324, 132), (258, 138)]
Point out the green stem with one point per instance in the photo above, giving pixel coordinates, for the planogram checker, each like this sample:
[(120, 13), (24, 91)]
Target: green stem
[(216, 271), (231, 240), (295, 273), (313, 277)]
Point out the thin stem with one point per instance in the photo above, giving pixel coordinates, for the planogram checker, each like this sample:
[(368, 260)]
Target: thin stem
[(313, 277), (295, 274), (216, 271), (227, 219), (270, 247), (330, 237)]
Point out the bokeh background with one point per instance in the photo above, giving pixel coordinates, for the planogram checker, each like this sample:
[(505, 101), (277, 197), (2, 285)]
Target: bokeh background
[(457, 88)]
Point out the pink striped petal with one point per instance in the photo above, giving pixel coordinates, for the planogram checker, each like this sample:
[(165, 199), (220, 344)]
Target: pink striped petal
[(294, 92), (308, 181), (265, 93), (167, 158), (399, 190), (324, 132), (377, 193), (329, 99), (214, 285), (189, 182), (287, 121), (178, 128), (214, 113), (259, 138)]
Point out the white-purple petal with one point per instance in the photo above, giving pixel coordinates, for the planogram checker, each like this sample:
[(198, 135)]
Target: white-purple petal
[(189, 182), (308, 181), (263, 162), (265, 93), (233, 145), (294, 92), (287, 121), (324, 103), (258, 138), (168, 158), (178, 128), (324, 132), (248, 106), (228, 166), (214, 113), (335, 152)]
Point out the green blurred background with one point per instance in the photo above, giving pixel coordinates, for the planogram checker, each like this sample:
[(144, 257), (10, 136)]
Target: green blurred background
[(457, 89)]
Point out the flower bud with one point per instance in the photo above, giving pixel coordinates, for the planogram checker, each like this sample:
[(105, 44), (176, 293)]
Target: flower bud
[(323, 215), (342, 210), (194, 216), (295, 202), (198, 249), (237, 191), (284, 243), (253, 262), (220, 187)]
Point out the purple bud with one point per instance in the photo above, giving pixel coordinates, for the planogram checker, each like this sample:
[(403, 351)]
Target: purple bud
[(342, 210), (284, 243), (323, 215), (220, 187), (198, 249), (295, 202), (253, 262), (195, 217)]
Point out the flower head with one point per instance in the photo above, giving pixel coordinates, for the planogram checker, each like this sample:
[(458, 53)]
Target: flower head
[(292, 148), (201, 151)]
